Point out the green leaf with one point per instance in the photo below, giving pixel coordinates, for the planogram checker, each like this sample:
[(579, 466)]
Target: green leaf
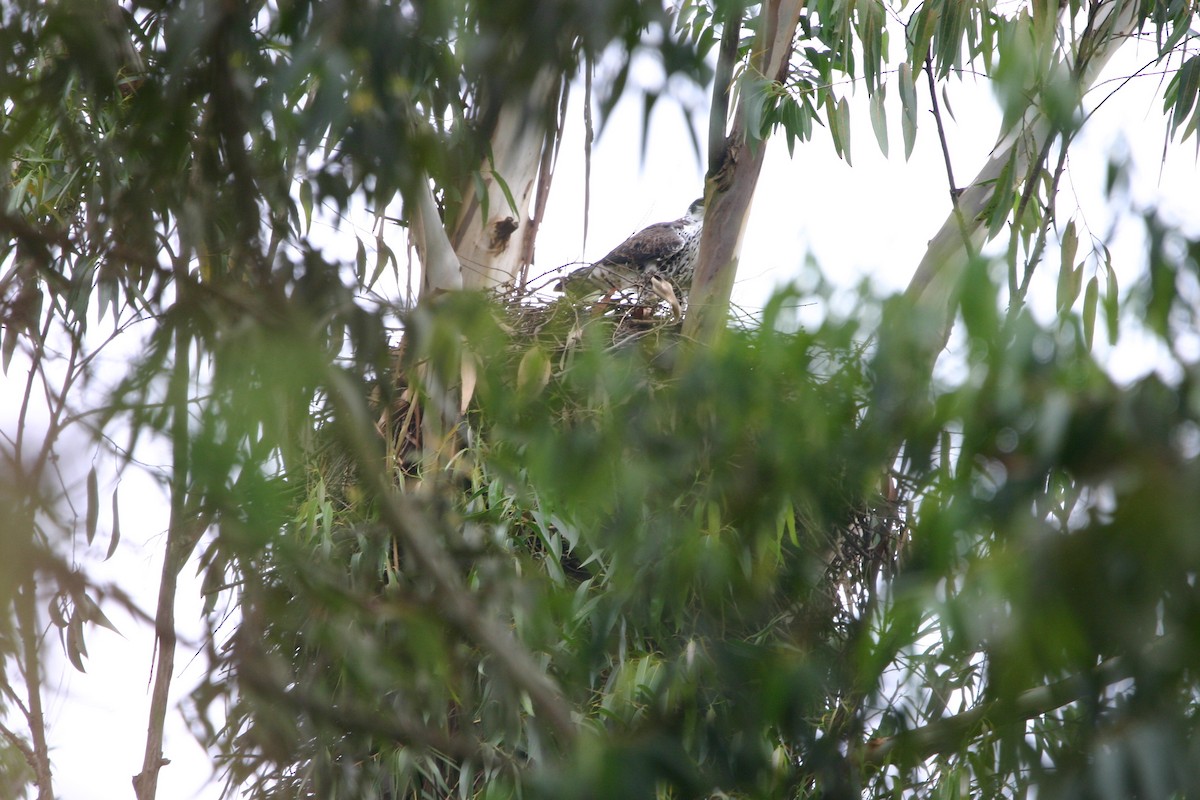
[(838, 112), (1180, 96), (879, 119), (946, 103), (1069, 246), (383, 254), (508, 195), (93, 504), (1111, 299), (908, 105), (1090, 297), (115, 539), (921, 29), (306, 202), (1000, 205), (533, 373), (1070, 277)]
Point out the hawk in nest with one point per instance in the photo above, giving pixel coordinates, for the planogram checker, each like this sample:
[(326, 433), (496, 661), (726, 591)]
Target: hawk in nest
[(660, 258)]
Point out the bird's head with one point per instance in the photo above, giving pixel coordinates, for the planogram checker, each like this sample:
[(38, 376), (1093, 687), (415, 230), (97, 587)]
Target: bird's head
[(696, 209)]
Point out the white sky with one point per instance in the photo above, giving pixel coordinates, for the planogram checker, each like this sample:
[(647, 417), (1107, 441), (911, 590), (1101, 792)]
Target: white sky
[(870, 221)]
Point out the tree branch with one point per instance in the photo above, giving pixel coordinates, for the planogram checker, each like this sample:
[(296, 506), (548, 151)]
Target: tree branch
[(718, 116), (729, 187), (941, 129), (26, 608), (183, 532)]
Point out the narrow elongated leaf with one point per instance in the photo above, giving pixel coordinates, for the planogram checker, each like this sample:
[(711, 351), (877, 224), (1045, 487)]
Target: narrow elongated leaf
[(115, 538), (91, 612), (1185, 86), (57, 611), (946, 103), (1111, 304), (839, 126), (306, 202), (1090, 297), (9, 346), (908, 106), (93, 504), (76, 647), (879, 119), (1070, 245)]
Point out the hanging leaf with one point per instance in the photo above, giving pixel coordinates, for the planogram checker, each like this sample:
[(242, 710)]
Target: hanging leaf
[(360, 259), (91, 612), (1070, 245), (306, 202), (1111, 295), (93, 504), (1090, 297), (9, 345), (879, 120), (76, 647), (115, 538), (57, 610), (946, 104), (838, 112), (908, 105), (1068, 285), (1181, 92)]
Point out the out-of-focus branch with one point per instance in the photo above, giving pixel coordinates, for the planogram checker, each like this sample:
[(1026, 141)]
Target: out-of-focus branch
[(26, 612)]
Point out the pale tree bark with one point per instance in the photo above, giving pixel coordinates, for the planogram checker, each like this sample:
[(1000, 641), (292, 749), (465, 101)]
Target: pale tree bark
[(935, 284), (735, 165), (440, 268), (476, 253), (496, 251)]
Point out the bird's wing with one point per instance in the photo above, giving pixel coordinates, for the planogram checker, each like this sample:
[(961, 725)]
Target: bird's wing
[(658, 241), (625, 262)]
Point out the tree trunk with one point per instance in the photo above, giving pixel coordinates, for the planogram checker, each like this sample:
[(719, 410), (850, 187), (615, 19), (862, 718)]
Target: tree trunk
[(490, 253), (730, 184)]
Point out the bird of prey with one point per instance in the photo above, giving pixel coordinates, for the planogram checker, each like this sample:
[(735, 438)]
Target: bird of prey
[(661, 258)]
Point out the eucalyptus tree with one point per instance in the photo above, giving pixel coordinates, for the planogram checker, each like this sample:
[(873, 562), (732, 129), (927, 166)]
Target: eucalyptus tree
[(462, 542)]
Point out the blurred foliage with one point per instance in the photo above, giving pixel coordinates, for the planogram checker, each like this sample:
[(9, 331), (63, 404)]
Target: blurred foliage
[(792, 565)]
